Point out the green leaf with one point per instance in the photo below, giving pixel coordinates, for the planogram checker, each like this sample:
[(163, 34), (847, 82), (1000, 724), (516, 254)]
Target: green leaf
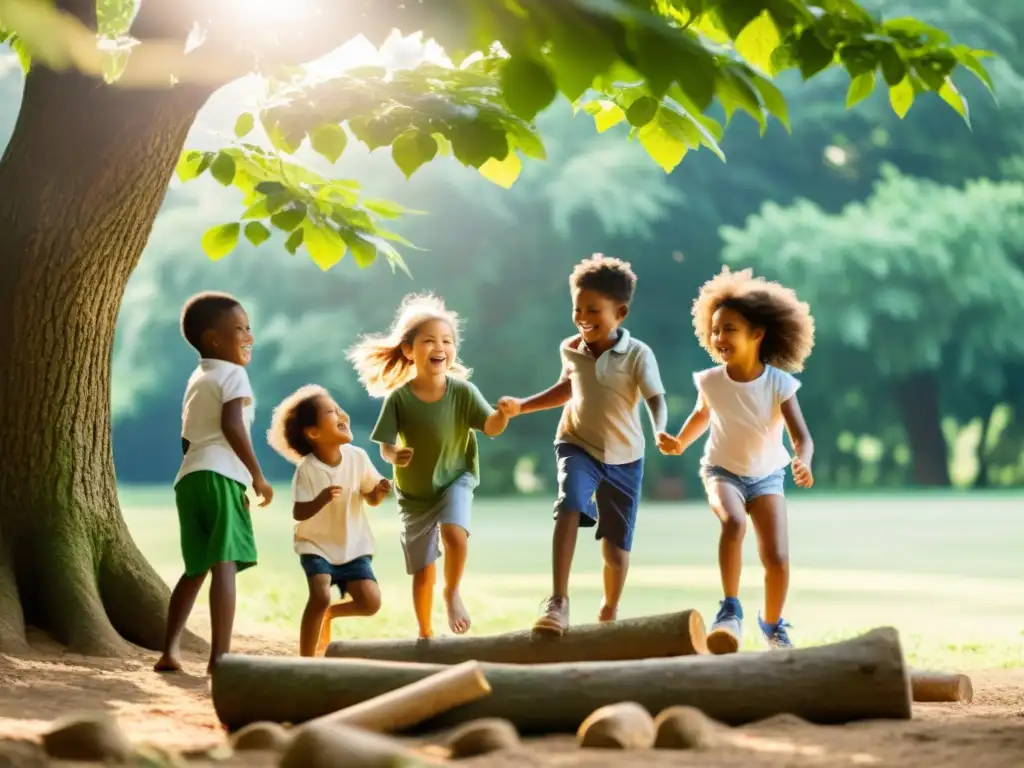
[(971, 61), (256, 233), (413, 149), (893, 68), (502, 172), (952, 96), (219, 241), (901, 97), (267, 206), (324, 244), (758, 41), (328, 141), (642, 111), (386, 209), (271, 188), (580, 52), (735, 15), (860, 88), (528, 86), (812, 55), (666, 146), (294, 241), (773, 101), (191, 165), (289, 218), (244, 124), (223, 168), (735, 91), (475, 143), (606, 114), (363, 251)]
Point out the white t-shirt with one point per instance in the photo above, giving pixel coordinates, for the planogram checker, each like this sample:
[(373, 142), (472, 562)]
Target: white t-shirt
[(213, 383), (746, 420), (339, 532)]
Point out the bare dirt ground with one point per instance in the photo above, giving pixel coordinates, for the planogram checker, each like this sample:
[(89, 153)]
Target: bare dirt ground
[(174, 712)]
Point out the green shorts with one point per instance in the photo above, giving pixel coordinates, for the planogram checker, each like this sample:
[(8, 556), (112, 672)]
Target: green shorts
[(215, 523)]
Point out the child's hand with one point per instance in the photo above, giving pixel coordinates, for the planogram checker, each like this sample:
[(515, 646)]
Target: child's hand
[(802, 474), (670, 445), (328, 494), (509, 407), (383, 488), (403, 456), (262, 489)]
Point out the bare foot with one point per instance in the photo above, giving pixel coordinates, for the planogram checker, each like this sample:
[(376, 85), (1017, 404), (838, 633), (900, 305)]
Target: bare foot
[(325, 636), (607, 613), (458, 617), (169, 662)]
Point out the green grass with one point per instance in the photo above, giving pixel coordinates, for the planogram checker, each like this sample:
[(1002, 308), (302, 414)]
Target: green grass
[(944, 570)]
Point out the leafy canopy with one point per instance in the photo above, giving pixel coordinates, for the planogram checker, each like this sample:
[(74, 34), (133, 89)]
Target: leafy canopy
[(662, 66)]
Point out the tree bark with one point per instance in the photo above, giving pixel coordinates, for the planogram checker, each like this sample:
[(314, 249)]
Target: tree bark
[(647, 637), (918, 399), (81, 182), (862, 678)]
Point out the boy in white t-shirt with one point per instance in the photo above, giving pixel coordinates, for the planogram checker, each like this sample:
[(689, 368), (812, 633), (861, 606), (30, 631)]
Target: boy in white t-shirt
[(218, 464), (758, 331), (332, 535)]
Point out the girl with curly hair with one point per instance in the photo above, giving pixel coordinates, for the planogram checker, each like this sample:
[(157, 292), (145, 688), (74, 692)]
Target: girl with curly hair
[(333, 481), (427, 430), (759, 333)]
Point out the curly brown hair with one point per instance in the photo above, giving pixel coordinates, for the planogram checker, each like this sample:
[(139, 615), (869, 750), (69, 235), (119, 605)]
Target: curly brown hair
[(612, 278), (290, 420), (787, 321)]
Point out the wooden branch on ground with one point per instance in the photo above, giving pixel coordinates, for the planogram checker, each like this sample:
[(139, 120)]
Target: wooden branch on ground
[(649, 637), (941, 687), (857, 679), (412, 704)]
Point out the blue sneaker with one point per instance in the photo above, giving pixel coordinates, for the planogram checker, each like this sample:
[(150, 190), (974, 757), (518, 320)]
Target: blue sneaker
[(727, 629), (775, 634)]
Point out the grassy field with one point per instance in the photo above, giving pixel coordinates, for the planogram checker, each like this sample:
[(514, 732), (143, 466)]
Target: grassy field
[(945, 570)]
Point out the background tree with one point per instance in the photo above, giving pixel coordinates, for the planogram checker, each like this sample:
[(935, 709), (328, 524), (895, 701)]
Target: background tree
[(76, 216)]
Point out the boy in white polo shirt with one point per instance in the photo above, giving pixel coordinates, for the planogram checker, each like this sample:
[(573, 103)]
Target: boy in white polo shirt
[(332, 535), (599, 445), (218, 464)]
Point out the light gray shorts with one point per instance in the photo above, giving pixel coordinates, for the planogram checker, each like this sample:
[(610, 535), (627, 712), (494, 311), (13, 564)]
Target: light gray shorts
[(421, 529)]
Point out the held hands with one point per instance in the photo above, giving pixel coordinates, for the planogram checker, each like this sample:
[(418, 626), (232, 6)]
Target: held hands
[(383, 488), (262, 489), (402, 456), (509, 407), (670, 445), (802, 474)]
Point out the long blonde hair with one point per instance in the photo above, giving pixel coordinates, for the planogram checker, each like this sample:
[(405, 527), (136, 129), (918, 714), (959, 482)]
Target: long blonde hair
[(380, 359)]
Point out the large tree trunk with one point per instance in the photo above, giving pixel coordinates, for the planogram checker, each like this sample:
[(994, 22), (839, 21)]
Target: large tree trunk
[(862, 678), (918, 400), (81, 182)]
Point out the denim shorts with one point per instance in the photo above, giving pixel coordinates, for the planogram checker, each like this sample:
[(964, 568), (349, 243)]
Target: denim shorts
[(359, 569), (749, 488), (606, 496)]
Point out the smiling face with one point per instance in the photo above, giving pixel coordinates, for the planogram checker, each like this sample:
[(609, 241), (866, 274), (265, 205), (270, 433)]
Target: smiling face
[(733, 338), (596, 316), (433, 348), (230, 338), (332, 425)]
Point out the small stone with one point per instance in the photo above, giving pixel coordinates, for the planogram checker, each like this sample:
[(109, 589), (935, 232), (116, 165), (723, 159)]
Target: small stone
[(481, 737), (683, 728), (261, 737), (341, 746), (94, 737), (625, 725)]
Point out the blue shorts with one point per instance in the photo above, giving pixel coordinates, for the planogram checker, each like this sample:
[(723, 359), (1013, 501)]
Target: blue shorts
[(749, 488), (605, 495), (354, 570)]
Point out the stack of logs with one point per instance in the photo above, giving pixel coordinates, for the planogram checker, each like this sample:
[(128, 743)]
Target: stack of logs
[(601, 681)]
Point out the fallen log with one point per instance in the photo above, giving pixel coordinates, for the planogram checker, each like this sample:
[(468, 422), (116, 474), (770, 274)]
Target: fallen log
[(940, 687), (410, 705), (648, 637), (857, 679)]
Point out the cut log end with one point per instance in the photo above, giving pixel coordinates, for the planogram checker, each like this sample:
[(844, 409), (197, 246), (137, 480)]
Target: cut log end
[(941, 687)]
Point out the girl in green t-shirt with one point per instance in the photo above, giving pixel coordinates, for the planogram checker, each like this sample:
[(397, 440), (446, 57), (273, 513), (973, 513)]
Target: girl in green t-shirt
[(426, 429)]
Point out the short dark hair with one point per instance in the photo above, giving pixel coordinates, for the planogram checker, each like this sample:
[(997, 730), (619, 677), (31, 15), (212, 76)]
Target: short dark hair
[(290, 420), (201, 313), (612, 278)]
